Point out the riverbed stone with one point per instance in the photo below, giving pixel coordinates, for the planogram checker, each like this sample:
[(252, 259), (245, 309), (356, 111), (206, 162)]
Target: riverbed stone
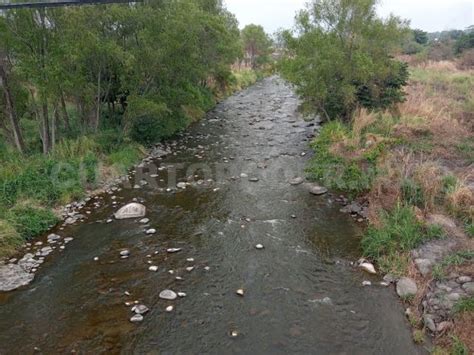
[(368, 267), (137, 318), (469, 287), (424, 266), (406, 287), (429, 322), (13, 276), (316, 189), (168, 295), (296, 181), (464, 279), (132, 210)]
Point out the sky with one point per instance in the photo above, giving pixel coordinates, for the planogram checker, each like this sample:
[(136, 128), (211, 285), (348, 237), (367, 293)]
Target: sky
[(428, 15)]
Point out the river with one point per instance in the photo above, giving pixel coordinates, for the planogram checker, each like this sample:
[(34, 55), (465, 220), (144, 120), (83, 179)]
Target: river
[(302, 296)]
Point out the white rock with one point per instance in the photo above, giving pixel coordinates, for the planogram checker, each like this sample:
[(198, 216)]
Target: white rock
[(144, 220), (153, 268), (151, 231), (168, 295), (181, 185), (169, 309), (190, 260), (366, 283), (368, 267), (132, 210), (140, 309), (240, 292), (190, 268), (137, 318), (259, 246), (173, 250), (182, 294), (125, 253)]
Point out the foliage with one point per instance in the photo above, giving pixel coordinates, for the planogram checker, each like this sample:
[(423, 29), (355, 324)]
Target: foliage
[(10, 239), (256, 44), (30, 221), (339, 58), (421, 37), (464, 305)]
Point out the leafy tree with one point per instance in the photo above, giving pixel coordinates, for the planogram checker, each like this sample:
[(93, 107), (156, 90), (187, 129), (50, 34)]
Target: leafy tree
[(339, 57), (421, 37), (257, 45)]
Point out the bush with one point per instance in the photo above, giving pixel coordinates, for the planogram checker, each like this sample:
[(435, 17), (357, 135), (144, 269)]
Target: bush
[(149, 130), (29, 220), (10, 239)]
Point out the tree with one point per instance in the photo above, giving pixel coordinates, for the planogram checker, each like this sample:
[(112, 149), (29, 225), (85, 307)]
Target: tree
[(257, 45), (421, 37), (339, 57)]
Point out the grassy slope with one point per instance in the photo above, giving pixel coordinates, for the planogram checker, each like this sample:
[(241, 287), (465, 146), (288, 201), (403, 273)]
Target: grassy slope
[(408, 164), (31, 187)]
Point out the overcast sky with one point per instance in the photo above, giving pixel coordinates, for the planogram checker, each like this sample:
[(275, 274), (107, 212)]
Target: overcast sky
[(429, 15)]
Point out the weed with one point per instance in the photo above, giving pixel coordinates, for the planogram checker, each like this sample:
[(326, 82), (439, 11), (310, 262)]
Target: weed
[(464, 305), (458, 347), (30, 221), (10, 239), (418, 336), (456, 259)]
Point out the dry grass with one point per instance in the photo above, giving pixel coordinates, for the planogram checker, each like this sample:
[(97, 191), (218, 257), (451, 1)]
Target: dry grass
[(429, 176), (461, 200)]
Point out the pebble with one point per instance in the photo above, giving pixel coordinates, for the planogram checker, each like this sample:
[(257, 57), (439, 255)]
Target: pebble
[(190, 268), (153, 268), (182, 294), (368, 267), (366, 283), (151, 231), (259, 246), (173, 250), (144, 220), (137, 318), (240, 292), (125, 253), (169, 309), (140, 309)]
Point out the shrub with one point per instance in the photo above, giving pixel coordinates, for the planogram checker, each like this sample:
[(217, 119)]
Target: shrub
[(10, 239), (30, 220), (148, 130)]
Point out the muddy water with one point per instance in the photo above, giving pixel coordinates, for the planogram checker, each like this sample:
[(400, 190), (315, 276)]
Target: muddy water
[(301, 294)]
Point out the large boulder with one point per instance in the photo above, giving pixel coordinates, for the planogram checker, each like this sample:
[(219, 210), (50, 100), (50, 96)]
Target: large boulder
[(132, 210), (13, 276)]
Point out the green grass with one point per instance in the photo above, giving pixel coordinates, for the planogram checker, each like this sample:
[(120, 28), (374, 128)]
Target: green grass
[(456, 259), (464, 305), (458, 347), (334, 171), (399, 233), (30, 221), (10, 239)]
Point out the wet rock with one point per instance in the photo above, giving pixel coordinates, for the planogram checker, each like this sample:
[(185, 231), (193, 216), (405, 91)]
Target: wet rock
[(153, 268), (137, 318), (173, 250), (296, 181), (181, 185), (368, 267), (45, 251), (259, 246), (169, 309), (144, 220), (406, 287), (151, 231), (140, 309), (13, 276), (389, 278), (240, 292), (316, 189), (132, 210), (125, 253), (254, 179), (53, 238), (366, 283), (168, 295), (182, 294)]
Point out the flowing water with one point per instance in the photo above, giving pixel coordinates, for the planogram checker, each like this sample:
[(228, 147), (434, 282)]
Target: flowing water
[(301, 294)]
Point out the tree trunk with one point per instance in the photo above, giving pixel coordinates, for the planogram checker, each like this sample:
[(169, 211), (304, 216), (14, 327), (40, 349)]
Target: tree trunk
[(97, 115), (67, 123), (10, 108), (46, 129)]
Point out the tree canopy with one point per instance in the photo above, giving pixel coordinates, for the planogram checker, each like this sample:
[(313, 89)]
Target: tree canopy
[(339, 57), (257, 45)]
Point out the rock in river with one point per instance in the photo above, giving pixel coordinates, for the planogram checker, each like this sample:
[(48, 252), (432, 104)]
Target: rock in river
[(368, 267), (296, 181), (168, 295), (13, 276), (132, 210), (406, 287), (316, 189)]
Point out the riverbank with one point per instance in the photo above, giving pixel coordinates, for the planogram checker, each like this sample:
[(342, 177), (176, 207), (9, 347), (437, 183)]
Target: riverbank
[(37, 192), (410, 174)]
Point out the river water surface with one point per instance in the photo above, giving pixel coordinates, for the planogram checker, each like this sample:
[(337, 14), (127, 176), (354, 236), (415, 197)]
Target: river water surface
[(301, 294)]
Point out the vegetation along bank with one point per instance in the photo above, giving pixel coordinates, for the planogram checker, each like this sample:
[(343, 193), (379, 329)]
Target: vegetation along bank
[(398, 141), (86, 90)]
